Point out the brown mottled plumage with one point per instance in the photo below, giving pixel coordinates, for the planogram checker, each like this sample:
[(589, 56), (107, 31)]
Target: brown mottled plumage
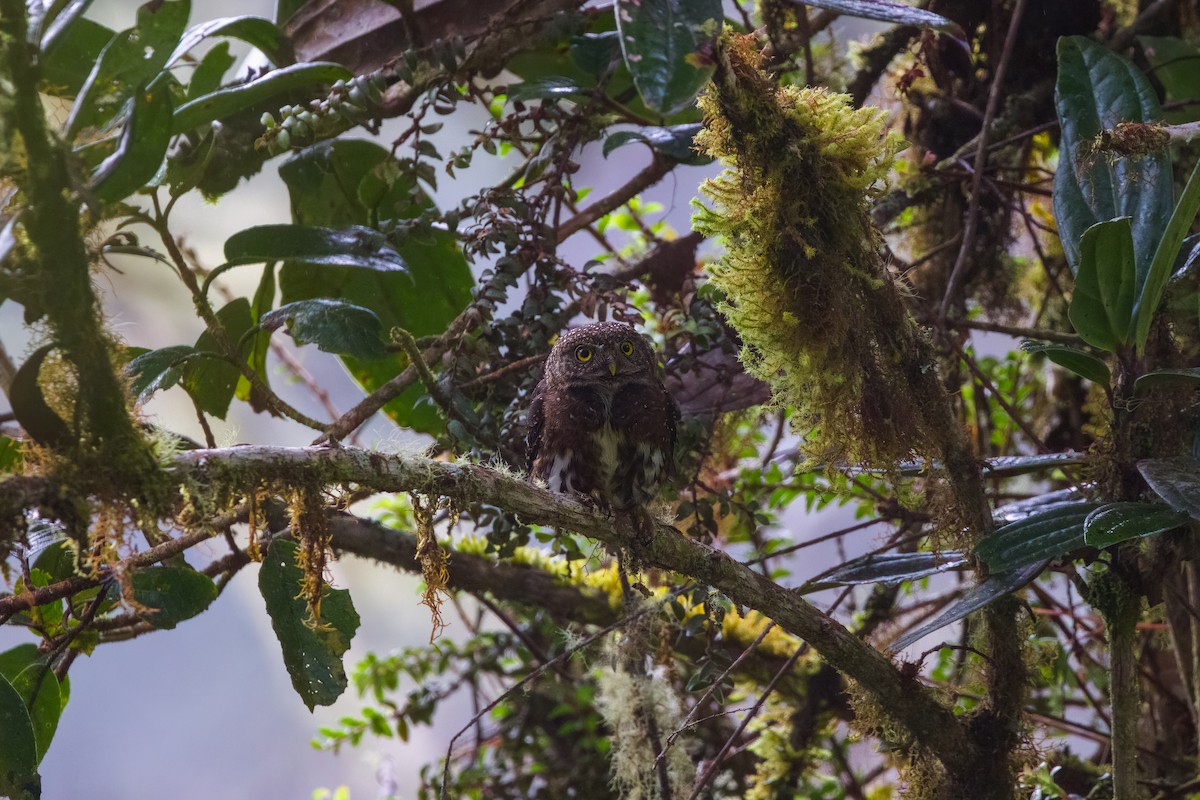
[(601, 424)]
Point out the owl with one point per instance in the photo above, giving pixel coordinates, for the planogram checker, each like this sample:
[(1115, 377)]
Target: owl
[(601, 423)]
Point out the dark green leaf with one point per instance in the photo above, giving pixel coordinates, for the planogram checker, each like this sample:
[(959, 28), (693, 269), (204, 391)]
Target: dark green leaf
[(1188, 258), (211, 381), (172, 594), (1117, 522), (897, 13), (260, 343), (29, 404), (16, 660), (1081, 362), (188, 165), (224, 102), (544, 89), (70, 51), (354, 246), (332, 325), (1174, 63), (1036, 539), (668, 47), (887, 568), (1102, 304), (1167, 377), (1175, 480), (594, 53), (312, 654), (326, 185), (206, 77), (58, 559), (1012, 512), (38, 687), (132, 59), (60, 17), (18, 747), (674, 142), (977, 597), (142, 147), (255, 31), (1165, 256), (1006, 466), (157, 370), (1097, 89)]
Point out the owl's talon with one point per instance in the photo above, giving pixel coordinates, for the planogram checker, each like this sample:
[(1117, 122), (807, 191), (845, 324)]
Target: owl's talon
[(595, 501)]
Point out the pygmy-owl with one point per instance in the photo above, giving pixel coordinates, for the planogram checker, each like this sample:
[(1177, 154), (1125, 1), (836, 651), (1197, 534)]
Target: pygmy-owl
[(601, 423)]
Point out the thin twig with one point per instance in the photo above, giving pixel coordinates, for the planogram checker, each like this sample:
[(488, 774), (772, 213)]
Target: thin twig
[(1016, 330), (659, 168), (710, 771), (687, 721), (1013, 413), (981, 153), (534, 675)]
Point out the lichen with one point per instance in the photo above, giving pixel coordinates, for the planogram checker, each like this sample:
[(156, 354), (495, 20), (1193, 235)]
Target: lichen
[(634, 706)]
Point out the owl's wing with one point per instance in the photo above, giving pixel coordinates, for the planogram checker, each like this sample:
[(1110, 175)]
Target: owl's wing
[(535, 421)]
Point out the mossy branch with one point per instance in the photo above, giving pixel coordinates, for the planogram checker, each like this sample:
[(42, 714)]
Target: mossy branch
[(1118, 599), (911, 705), (63, 276), (805, 277)]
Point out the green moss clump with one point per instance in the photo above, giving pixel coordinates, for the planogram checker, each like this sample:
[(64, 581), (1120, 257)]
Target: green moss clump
[(803, 275)]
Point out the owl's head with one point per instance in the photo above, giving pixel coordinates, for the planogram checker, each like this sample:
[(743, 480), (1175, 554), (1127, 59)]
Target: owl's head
[(602, 350)]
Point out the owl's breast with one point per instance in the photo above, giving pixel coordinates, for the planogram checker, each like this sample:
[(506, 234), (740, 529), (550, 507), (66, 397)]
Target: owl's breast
[(608, 442)]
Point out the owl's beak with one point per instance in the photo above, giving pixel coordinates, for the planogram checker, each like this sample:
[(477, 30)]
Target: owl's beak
[(612, 368)]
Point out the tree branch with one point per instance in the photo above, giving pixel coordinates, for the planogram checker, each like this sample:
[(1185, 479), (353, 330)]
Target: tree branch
[(914, 707)]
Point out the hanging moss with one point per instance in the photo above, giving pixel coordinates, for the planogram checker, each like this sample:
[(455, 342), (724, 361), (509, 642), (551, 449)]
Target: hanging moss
[(803, 273)]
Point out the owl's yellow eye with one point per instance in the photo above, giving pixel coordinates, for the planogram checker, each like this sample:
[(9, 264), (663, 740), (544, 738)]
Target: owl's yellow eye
[(584, 354), (627, 348)]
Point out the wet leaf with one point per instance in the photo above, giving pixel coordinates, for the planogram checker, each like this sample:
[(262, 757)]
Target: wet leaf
[(897, 13), (132, 58), (157, 370), (29, 405), (1117, 522), (1175, 480), (1102, 304), (977, 597), (1167, 377), (255, 31), (39, 689), (174, 593), (353, 246), (142, 146), (675, 142), (1080, 362), (19, 779), (888, 568), (1051, 533), (355, 183), (668, 47), (332, 325), (1095, 90), (311, 653), (225, 102), (211, 380)]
